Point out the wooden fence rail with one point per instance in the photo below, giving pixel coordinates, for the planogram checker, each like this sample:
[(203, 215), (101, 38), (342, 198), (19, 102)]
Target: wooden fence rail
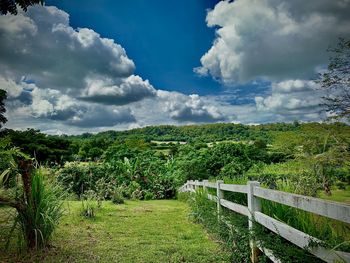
[(254, 193)]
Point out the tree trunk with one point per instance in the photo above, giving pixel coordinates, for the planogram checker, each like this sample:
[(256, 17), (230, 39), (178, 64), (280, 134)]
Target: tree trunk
[(25, 167)]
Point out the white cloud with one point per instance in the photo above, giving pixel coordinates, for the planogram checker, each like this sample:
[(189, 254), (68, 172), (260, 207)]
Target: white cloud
[(42, 46), (49, 105), (131, 89), (272, 39), (190, 108), (293, 99)]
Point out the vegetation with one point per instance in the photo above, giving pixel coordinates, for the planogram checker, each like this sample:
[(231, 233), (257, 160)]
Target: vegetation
[(147, 231), (3, 96), (10, 6), (336, 80), (305, 158), (233, 231)]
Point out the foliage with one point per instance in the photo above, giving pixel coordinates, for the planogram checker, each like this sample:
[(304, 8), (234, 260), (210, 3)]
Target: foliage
[(117, 196), (336, 80), (43, 212), (232, 231), (22, 187), (3, 96), (37, 219), (10, 6), (45, 149)]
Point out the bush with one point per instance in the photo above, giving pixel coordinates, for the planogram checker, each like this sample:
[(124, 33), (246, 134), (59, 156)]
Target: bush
[(148, 195), (137, 195), (117, 196)]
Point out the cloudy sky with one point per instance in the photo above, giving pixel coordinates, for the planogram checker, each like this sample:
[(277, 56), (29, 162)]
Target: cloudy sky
[(71, 68)]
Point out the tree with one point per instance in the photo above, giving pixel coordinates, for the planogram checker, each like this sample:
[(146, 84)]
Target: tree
[(10, 6), (336, 80), (3, 96)]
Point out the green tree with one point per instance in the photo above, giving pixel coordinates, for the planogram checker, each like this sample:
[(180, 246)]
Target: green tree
[(3, 96), (336, 80), (10, 6)]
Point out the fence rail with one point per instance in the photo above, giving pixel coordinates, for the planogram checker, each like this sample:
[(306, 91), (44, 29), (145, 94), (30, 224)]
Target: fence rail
[(254, 193)]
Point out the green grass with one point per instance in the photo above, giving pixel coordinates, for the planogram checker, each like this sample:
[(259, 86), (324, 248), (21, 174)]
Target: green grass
[(337, 195), (138, 231)]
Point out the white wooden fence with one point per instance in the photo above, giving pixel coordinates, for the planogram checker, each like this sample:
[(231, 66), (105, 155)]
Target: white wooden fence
[(254, 192)]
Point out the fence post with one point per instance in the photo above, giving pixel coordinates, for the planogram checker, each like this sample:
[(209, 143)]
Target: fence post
[(253, 206), (196, 185), (205, 185), (219, 195)]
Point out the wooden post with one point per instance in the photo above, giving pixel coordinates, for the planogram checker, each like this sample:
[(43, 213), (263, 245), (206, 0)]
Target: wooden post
[(196, 185), (205, 186), (253, 206), (219, 195)]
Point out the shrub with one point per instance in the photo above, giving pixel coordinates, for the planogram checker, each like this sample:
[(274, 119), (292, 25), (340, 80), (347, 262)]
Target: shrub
[(117, 196), (137, 194), (148, 195), (38, 220)]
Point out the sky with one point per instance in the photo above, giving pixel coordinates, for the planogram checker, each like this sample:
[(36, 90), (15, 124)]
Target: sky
[(89, 66)]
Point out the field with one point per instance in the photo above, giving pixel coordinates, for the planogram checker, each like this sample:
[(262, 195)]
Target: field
[(138, 231), (338, 195)]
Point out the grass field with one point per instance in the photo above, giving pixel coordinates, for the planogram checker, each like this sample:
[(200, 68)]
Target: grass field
[(138, 231), (338, 195)]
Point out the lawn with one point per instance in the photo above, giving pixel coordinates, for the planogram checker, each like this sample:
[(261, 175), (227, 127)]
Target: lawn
[(138, 231)]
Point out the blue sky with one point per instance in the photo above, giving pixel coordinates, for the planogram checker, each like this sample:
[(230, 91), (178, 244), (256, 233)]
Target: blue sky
[(90, 66)]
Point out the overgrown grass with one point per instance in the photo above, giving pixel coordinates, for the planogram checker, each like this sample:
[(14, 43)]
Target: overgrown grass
[(33, 225), (232, 229), (137, 231)]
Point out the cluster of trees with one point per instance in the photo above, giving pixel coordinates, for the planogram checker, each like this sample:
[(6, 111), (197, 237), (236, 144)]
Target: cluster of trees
[(147, 170)]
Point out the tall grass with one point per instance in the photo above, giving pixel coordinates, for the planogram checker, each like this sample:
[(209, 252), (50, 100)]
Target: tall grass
[(41, 214)]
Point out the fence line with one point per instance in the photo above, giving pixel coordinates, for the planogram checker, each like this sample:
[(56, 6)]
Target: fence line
[(254, 193)]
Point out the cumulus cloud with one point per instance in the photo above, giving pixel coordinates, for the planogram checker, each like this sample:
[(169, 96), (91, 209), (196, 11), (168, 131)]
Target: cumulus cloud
[(102, 117), (190, 108), (129, 90), (55, 73), (272, 39), (52, 105), (59, 74), (293, 99), (42, 46)]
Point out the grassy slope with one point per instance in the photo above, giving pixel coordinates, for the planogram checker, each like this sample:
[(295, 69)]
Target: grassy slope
[(147, 231)]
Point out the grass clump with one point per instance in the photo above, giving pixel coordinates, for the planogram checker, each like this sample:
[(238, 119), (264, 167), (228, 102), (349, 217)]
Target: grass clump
[(36, 221), (89, 204)]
